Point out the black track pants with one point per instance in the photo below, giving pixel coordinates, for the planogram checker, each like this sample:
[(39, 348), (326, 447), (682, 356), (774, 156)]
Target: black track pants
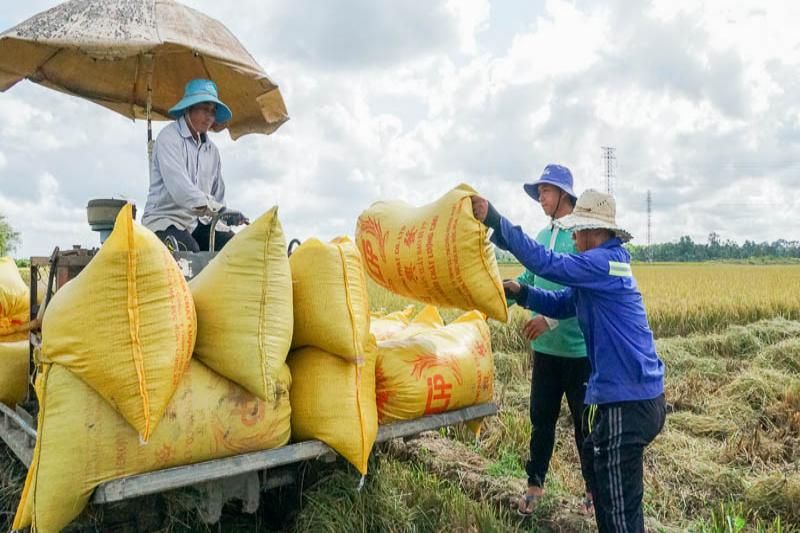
[(614, 452)]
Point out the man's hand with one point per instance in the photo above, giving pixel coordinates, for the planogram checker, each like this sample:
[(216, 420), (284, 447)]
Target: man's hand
[(535, 327), (480, 208), (231, 217), (511, 287), (218, 126), (211, 208)]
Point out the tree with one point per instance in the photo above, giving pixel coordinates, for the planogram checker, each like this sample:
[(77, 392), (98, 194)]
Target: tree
[(9, 239)]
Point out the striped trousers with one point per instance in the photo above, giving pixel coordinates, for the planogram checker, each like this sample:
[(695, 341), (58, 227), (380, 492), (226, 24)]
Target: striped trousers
[(614, 454)]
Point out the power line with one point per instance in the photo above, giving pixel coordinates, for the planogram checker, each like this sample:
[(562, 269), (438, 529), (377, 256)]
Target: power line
[(609, 160)]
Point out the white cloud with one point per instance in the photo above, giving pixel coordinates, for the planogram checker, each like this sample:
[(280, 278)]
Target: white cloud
[(48, 220), (404, 101)]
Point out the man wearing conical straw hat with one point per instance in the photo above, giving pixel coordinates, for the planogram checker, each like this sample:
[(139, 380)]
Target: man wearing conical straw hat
[(625, 391)]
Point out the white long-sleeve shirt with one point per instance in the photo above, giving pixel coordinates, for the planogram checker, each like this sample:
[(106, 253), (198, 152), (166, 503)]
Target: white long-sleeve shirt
[(185, 175)]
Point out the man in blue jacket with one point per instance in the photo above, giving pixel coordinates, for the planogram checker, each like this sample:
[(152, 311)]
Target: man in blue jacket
[(626, 386)]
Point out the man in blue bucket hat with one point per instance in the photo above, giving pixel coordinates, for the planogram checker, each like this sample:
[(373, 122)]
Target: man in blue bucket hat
[(186, 186), (560, 365)]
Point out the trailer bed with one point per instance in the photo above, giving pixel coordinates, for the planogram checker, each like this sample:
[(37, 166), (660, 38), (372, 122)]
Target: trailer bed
[(18, 432)]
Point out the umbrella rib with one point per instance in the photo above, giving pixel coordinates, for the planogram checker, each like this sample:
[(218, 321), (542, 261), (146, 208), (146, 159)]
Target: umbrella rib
[(39, 73), (135, 84)]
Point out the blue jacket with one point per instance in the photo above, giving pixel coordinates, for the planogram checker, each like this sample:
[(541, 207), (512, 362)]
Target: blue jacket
[(602, 293)]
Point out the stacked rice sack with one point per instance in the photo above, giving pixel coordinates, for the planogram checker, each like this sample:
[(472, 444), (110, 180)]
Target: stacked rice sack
[(434, 368), (14, 313), (333, 357), (118, 383)]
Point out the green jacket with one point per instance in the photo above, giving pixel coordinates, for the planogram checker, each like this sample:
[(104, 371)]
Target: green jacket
[(565, 337)]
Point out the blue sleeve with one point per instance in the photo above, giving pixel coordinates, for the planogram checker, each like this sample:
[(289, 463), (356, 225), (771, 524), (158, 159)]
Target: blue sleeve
[(572, 270), (554, 304)]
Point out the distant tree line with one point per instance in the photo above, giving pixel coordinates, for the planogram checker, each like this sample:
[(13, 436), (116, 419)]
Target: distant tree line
[(716, 249)]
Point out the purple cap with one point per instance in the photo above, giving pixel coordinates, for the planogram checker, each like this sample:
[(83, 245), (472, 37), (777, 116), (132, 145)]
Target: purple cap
[(555, 175)]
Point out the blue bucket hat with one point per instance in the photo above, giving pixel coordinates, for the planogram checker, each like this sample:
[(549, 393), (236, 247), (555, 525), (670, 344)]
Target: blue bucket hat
[(199, 91), (556, 175)]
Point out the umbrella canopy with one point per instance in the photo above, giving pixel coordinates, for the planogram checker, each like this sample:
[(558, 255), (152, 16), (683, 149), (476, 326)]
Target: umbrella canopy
[(135, 57)]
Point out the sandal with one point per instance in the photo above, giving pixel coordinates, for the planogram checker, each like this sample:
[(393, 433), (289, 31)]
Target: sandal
[(587, 506), (531, 501)]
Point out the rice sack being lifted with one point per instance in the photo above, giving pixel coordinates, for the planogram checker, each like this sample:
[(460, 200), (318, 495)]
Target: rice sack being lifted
[(330, 298), (441, 369), (244, 307), (125, 325), (83, 443), (438, 253)]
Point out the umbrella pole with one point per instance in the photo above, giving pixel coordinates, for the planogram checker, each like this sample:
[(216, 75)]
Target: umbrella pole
[(149, 112)]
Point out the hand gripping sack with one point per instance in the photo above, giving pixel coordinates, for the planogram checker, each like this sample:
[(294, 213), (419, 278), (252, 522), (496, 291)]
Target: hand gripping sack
[(14, 358), (243, 299), (125, 325), (83, 443), (333, 400), (14, 302), (438, 253), (331, 307), (435, 371)]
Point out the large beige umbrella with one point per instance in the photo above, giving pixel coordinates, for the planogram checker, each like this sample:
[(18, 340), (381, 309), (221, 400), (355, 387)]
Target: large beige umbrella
[(135, 57)]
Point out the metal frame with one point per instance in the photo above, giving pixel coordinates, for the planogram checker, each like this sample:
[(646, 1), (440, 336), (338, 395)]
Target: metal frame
[(241, 476)]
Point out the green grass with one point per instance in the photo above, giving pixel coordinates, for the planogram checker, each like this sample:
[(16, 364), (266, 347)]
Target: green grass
[(508, 464), (397, 497)]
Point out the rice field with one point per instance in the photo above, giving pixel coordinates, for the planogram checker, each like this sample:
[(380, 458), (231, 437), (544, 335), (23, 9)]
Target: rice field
[(685, 298)]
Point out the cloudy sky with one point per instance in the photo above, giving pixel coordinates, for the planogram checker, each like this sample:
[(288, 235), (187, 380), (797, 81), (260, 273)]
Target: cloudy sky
[(404, 100)]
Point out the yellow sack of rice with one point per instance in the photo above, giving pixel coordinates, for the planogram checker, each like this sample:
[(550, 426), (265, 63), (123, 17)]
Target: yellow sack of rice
[(333, 400), (125, 325), (427, 319), (435, 371), (14, 358), (330, 298), (83, 443), (385, 326), (392, 327), (438, 253), (14, 302), (243, 299)]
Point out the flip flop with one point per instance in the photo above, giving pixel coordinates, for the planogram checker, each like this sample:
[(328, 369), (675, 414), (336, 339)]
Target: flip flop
[(529, 499), (587, 506)]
